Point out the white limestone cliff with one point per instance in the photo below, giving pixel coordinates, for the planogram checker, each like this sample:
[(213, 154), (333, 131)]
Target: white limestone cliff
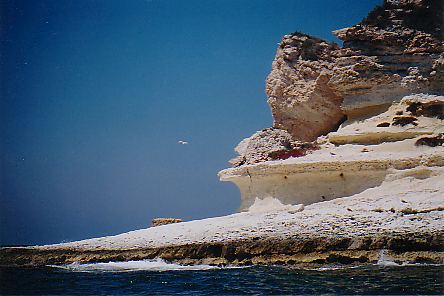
[(356, 157), (353, 164), (344, 117)]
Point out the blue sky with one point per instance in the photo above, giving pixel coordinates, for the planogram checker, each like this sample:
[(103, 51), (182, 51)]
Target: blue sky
[(96, 94)]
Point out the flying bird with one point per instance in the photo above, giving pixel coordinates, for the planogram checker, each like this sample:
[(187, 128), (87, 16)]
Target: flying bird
[(182, 142)]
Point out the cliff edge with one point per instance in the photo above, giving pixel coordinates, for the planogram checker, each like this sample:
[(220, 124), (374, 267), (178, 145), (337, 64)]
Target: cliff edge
[(344, 117), (352, 168)]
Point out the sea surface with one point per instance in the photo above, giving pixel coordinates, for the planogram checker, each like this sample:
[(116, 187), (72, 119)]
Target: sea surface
[(156, 277)]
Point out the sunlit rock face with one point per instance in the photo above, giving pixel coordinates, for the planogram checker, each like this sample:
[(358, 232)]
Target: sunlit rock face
[(415, 115), (395, 51), (298, 93), (354, 163), (270, 144), (344, 117), (359, 155)]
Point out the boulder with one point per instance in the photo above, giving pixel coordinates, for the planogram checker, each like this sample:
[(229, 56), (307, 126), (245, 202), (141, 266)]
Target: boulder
[(164, 221)]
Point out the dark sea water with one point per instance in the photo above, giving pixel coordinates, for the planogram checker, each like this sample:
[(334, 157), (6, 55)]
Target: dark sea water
[(166, 279)]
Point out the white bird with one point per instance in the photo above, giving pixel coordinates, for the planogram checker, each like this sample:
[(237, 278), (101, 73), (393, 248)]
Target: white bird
[(182, 142)]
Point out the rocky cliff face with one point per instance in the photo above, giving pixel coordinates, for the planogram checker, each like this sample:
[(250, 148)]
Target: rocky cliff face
[(354, 163), (343, 117), (358, 156), (395, 51)]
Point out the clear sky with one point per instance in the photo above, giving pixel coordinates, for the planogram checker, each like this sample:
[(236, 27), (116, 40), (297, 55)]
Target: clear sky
[(95, 95)]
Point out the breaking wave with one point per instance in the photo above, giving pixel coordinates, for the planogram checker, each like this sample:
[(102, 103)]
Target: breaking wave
[(139, 265), (385, 260)]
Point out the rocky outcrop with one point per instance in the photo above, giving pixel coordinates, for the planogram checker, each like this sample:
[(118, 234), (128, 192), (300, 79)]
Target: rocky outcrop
[(270, 144), (358, 156), (164, 221), (349, 114), (364, 109), (413, 116), (351, 171), (300, 98), (395, 51), (402, 216)]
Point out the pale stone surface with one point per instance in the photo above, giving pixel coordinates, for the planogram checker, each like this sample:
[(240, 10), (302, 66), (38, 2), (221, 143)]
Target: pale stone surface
[(297, 88), (403, 216), (356, 157), (367, 213), (415, 115), (314, 86), (371, 182), (330, 172), (396, 50)]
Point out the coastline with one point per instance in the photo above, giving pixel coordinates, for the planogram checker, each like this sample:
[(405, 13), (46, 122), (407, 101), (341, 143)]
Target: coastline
[(350, 230), (329, 250), (351, 170)]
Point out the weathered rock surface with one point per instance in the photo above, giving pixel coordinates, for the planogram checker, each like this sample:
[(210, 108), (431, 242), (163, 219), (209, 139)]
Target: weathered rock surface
[(353, 165), (395, 51), (372, 91), (402, 216), (269, 144), (164, 221), (413, 116), (370, 107), (358, 156), (300, 98)]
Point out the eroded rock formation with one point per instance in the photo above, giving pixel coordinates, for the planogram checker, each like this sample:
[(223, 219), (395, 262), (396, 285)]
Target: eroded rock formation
[(353, 165), (402, 216), (270, 144), (356, 157), (397, 50), (346, 115)]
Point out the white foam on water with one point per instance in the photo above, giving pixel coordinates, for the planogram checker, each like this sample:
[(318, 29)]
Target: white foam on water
[(385, 260), (139, 265), (336, 267)]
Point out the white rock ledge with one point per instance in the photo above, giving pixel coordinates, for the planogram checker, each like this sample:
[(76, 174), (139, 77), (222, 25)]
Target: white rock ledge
[(327, 174)]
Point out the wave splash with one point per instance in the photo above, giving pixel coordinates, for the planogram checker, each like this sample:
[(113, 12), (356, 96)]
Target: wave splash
[(139, 265), (385, 260)]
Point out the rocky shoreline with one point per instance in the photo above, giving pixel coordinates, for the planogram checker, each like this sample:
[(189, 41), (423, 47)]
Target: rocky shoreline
[(350, 230), (408, 248), (350, 173)]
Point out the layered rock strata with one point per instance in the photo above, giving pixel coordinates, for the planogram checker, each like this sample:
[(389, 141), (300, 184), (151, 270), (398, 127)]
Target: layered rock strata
[(348, 112), (395, 51), (403, 216), (352, 168), (358, 156)]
